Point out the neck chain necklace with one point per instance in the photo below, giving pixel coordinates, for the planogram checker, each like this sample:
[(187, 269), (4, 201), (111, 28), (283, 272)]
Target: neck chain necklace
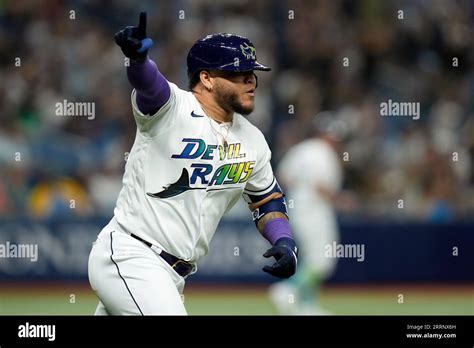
[(222, 137)]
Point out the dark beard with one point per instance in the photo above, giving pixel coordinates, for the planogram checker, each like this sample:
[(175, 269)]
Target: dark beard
[(230, 101)]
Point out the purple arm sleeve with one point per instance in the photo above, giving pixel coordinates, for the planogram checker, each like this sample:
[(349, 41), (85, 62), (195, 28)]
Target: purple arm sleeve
[(153, 91), (276, 229)]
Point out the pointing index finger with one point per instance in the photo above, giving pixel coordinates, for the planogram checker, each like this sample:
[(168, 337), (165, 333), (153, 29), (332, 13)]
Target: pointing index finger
[(142, 24)]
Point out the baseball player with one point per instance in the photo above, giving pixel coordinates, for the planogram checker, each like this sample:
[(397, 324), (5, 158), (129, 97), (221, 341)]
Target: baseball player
[(194, 156), (312, 173)]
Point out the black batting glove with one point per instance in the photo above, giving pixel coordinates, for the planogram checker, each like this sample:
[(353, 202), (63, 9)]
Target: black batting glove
[(133, 40), (286, 254)]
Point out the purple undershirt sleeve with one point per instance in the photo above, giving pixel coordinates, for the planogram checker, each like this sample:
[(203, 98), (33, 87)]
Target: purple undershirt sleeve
[(153, 91), (276, 229)]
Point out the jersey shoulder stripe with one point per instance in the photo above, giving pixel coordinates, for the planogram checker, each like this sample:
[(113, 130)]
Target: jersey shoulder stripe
[(263, 191)]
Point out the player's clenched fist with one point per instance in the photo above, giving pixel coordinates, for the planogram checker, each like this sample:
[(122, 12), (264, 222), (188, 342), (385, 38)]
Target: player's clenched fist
[(286, 254), (133, 40)]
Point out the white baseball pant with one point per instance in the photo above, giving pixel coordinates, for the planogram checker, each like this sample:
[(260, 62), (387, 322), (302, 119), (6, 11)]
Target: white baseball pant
[(131, 279)]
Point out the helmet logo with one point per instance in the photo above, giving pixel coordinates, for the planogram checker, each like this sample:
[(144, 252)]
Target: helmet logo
[(248, 51)]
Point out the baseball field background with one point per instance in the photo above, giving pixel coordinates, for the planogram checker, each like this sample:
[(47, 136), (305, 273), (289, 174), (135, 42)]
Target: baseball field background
[(408, 192), (406, 269), (78, 299)]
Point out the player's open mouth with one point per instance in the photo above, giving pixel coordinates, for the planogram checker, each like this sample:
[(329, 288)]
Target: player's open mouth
[(251, 92)]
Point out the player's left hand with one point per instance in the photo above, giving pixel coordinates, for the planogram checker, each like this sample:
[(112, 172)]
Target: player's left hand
[(286, 254)]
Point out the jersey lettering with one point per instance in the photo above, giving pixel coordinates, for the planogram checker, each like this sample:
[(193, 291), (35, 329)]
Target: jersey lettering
[(192, 143), (198, 149), (226, 174), (235, 173), (200, 171)]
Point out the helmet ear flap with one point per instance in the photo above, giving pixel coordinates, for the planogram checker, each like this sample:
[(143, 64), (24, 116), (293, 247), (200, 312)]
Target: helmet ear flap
[(256, 80)]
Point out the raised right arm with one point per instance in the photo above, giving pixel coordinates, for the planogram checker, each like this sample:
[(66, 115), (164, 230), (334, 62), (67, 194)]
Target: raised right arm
[(153, 90)]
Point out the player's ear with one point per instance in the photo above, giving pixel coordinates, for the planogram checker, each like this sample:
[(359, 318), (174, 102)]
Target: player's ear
[(205, 77)]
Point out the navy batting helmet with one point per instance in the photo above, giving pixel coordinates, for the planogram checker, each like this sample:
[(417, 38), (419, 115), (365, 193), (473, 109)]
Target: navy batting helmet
[(228, 52)]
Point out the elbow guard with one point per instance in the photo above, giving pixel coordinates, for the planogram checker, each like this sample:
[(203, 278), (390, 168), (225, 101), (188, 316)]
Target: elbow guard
[(277, 204)]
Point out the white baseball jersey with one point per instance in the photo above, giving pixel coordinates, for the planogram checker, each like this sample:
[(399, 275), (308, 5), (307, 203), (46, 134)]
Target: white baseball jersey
[(311, 163), (178, 181), (306, 166)]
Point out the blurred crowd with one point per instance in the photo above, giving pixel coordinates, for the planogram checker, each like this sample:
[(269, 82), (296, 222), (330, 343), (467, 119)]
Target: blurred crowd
[(346, 57)]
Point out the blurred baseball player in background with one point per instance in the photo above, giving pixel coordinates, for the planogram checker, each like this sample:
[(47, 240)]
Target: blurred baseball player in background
[(311, 173), (193, 157)]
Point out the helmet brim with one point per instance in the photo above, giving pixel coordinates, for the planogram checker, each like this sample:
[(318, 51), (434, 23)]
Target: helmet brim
[(258, 66), (243, 66)]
